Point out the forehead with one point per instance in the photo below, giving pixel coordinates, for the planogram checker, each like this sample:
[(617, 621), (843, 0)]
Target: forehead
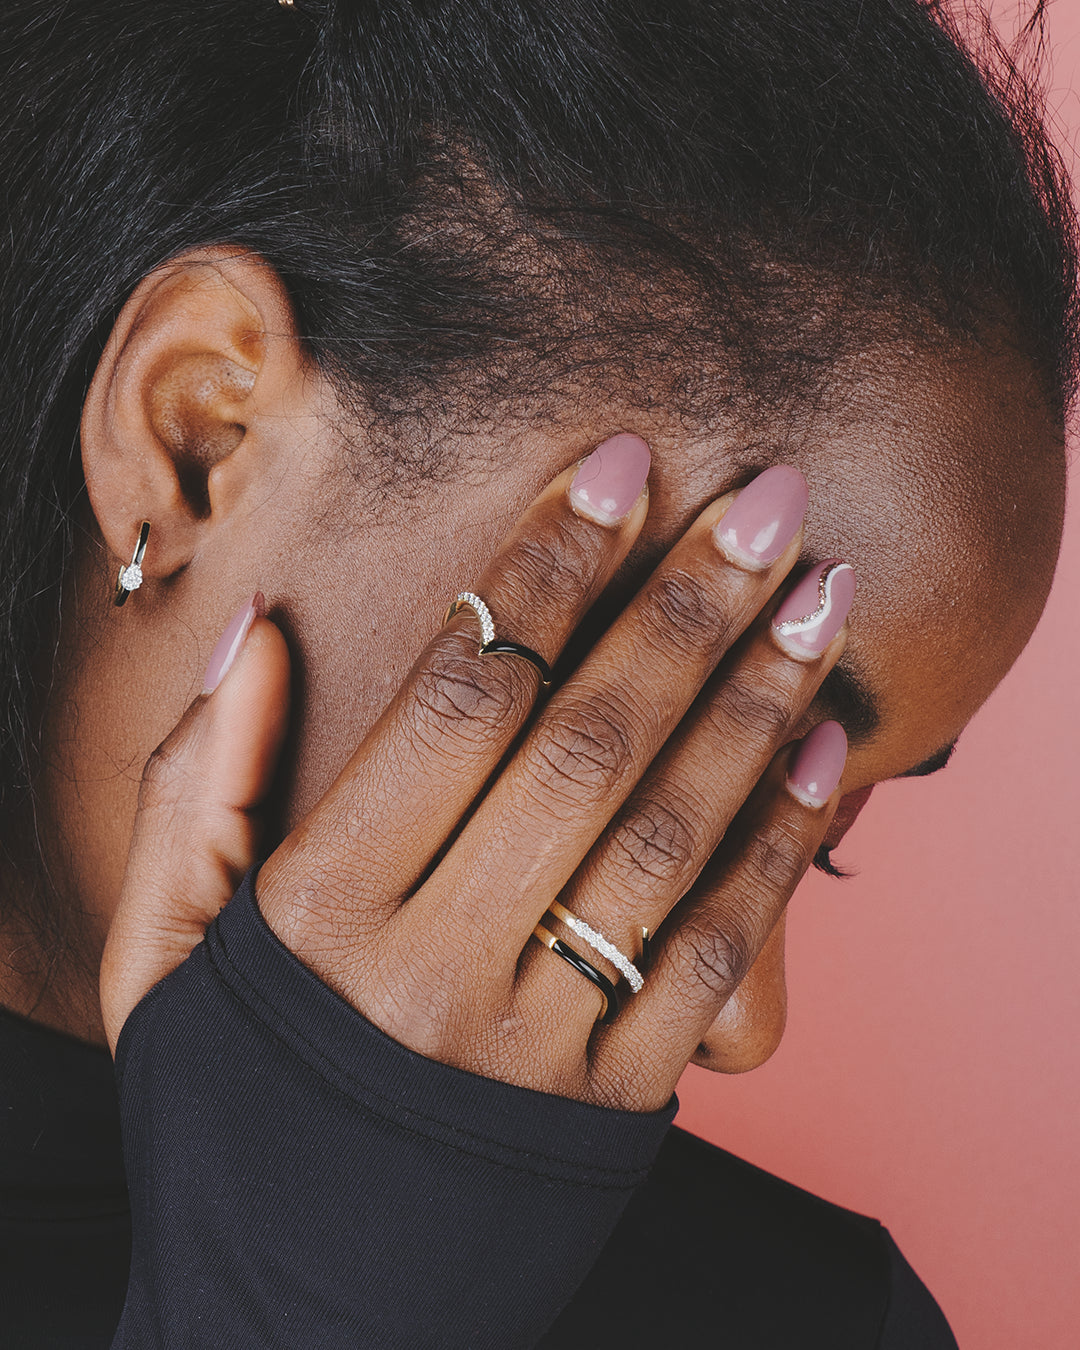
[(940, 477)]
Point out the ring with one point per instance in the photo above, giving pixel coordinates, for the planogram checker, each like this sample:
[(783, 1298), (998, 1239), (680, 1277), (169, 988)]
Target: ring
[(599, 943), (489, 644), (608, 992)]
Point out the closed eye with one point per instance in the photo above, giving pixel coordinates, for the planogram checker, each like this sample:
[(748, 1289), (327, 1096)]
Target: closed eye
[(934, 764)]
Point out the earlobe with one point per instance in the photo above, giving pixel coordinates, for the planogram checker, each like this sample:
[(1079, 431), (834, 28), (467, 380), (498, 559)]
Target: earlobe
[(171, 426)]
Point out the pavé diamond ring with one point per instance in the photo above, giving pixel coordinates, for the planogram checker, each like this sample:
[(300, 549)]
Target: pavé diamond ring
[(490, 645), (596, 940)]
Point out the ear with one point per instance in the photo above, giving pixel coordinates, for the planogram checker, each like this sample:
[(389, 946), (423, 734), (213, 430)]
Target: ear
[(203, 360)]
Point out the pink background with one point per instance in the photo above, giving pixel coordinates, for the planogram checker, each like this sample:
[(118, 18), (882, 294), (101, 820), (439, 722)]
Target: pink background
[(930, 1074)]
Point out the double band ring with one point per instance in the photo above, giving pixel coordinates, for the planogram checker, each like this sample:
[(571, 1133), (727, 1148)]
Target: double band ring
[(609, 992), (611, 1003), (490, 645)]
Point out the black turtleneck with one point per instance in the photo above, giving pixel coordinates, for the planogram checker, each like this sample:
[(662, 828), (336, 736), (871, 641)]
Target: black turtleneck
[(296, 1179)]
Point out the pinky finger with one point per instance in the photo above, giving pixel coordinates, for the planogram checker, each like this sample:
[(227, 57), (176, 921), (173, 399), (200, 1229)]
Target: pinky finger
[(713, 936)]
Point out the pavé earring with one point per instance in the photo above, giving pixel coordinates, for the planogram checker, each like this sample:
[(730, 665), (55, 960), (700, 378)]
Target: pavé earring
[(130, 577)]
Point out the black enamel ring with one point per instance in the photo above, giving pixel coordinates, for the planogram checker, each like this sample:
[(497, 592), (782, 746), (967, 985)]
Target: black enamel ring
[(612, 1003), (490, 645)]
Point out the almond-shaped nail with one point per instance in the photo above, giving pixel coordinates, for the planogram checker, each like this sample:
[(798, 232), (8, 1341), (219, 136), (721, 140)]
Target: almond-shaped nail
[(764, 518), (817, 765), (230, 642), (814, 611), (609, 482)]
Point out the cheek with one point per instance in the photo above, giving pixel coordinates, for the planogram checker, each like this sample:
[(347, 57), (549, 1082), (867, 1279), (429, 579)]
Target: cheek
[(752, 1023)]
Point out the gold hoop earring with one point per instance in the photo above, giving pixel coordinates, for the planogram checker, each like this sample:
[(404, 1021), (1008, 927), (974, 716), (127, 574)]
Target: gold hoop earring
[(130, 577)]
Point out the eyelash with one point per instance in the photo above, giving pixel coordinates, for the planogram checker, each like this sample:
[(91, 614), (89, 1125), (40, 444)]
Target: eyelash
[(824, 863)]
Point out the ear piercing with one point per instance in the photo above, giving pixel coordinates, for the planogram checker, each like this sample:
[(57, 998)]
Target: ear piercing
[(131, 577)]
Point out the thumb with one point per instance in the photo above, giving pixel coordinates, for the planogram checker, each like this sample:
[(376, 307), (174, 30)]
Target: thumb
[(196, 828)]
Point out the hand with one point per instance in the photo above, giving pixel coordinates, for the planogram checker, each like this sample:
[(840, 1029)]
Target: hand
[(654, 789)]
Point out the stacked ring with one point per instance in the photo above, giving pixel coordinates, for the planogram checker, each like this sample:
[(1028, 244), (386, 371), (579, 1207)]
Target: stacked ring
[(612, 1000), (609, 994)]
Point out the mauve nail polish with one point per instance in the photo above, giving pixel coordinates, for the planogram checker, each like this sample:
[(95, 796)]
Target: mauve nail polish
[(230, 642), (814, 611), (765, 517), (609, 482), (818, 764)]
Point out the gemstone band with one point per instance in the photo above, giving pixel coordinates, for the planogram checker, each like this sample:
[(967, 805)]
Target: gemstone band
[(487, 623), (489, 644), (599, 943)]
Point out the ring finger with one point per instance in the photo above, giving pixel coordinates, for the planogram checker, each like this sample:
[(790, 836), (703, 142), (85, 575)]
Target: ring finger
[(656, 846)]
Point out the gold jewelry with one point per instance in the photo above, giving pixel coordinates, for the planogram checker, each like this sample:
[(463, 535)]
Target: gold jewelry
[(599, 943), (130, 578), (489, 644), (608, 993)]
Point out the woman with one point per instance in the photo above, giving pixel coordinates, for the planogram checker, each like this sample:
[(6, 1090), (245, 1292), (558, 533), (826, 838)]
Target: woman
[(640, 330)]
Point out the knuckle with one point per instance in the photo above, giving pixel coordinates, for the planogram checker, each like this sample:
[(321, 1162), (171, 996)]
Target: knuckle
[(582, 752), (617, 1087), (655, 841), (752, 705), (312, 906), (715, 958), (460, 691), (167, 776), (640, 1083), (551, 561), (778, 858), (679, 608)]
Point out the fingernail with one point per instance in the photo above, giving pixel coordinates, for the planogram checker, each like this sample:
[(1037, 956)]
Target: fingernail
[(764, 518), (608, 483), (230, 642), (814, 612), (817, 765)]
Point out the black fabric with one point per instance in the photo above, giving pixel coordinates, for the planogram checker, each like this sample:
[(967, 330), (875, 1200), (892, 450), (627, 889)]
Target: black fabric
[(914, 1319), (299, 1180), (65, 1231)]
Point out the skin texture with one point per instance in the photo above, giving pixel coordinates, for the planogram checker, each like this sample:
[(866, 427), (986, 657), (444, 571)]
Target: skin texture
[(938, 476)]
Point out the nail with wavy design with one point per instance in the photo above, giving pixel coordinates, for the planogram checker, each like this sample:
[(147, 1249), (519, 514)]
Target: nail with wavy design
[(815, 610)]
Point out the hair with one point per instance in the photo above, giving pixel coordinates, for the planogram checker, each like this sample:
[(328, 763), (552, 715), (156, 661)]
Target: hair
[(480, 204)]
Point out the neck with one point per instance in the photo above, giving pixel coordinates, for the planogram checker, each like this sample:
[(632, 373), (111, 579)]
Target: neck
[(47, 971)]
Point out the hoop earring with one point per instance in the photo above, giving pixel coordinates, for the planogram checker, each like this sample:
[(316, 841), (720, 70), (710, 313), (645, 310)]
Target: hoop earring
[(130, 577)]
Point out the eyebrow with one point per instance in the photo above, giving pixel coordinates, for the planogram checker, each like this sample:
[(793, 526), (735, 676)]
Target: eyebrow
[(852, 702), (855, 705)]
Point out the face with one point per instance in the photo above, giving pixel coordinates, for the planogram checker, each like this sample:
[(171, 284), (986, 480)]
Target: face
[(939, 477)]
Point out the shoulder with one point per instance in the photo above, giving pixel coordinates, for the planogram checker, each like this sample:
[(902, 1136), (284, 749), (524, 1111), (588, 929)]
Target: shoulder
[(713, 1250)]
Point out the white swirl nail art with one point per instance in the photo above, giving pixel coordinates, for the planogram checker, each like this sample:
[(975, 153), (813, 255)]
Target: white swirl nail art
[(825, 604)]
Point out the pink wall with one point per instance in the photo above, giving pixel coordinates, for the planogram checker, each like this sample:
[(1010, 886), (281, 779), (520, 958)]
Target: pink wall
[(931, 1072)]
